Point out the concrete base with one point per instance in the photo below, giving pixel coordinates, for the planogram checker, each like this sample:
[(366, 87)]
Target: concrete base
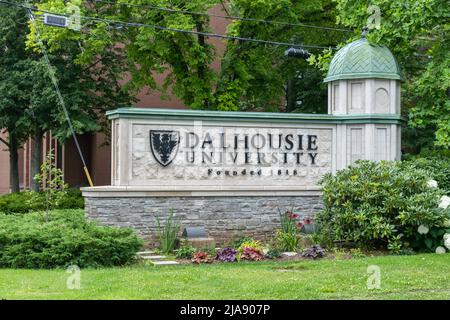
[(224, 218), (202, 243)]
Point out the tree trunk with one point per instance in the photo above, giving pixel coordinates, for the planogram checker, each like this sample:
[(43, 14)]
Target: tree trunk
[(36, 157), (14, 161), (291, 101)]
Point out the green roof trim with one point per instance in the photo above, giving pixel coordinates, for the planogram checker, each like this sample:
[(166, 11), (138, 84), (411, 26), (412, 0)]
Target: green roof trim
[(362, 59), (261, 117)]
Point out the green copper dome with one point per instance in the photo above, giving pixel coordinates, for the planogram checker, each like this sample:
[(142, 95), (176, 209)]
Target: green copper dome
[(361, 59)]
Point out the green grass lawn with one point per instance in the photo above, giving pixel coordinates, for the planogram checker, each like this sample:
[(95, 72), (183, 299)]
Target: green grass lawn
[(424, 276)]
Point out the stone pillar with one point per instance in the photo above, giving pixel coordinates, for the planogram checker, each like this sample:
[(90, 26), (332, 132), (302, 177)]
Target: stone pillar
[(364, 80)]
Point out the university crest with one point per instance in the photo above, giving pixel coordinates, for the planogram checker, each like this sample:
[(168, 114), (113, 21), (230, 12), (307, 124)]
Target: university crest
[(164, 145)]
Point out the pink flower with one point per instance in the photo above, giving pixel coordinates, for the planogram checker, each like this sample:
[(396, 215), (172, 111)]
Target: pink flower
[(299, 225), (307, 220), (292, 215)]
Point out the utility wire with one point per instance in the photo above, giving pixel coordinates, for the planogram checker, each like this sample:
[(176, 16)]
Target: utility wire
[(58, 92), (220, 16), (118, 24)]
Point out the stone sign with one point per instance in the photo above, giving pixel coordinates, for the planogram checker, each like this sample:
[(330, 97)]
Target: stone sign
[(207, 154), (231, 172)]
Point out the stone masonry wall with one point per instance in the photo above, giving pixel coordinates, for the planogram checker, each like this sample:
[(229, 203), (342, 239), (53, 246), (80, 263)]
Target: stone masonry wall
[(224, 218)]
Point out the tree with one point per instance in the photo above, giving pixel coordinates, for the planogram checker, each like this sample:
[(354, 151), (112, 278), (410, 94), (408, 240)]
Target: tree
[(14, 85), (29, 104), (417, 33), (253, 75)]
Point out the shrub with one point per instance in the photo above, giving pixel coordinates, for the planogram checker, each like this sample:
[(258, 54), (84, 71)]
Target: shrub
[(168, 233), (250, 250), (313, 252), (251, 254), (72, 200), (227, 255), (436, 164), (66, 239), (17, 202), (185, 252), (236, 243), (378, 205), (202, 257), (273, 253), (28, 201), (255, 244), (431, 239)]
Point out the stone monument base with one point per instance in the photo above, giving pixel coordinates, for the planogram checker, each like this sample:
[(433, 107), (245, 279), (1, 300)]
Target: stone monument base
[(225, 214)]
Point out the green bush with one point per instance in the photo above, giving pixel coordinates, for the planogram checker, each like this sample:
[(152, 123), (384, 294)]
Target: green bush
[(72, 200), (436, 164), (378, 205), (68, 238), (28, 201), (15, 202), (185, 252)]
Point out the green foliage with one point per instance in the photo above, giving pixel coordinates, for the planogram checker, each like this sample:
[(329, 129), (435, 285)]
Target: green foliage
[(185, 252), (417, 33), (168, 233), (52, 184), (287, 241), (437, 164), (236, 243), (378, 205), (287, 238), (431, 240), (252, 76), (28, 201), (72, 199), (273, 253), (66, 239)]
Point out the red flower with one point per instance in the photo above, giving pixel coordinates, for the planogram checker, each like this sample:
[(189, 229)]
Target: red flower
[(299, 225), (292, 215), (307, 220)]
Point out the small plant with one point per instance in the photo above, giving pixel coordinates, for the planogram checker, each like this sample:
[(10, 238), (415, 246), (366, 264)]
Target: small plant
[(288, 236), (250, 244), (287, 241), (52, 184), (249, 250), (313, 252), (202, 257), (227, 255), (251, 254), (273, 253), (168, 233), (185, 252), (357, 253), (238, 242)]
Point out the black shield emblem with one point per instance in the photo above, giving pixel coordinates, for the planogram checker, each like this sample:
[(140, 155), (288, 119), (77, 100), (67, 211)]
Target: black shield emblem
[(164, 145)]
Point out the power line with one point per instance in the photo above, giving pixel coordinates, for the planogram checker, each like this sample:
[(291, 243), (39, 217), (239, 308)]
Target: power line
[(58, 92), (119, 23), (227, 17)]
